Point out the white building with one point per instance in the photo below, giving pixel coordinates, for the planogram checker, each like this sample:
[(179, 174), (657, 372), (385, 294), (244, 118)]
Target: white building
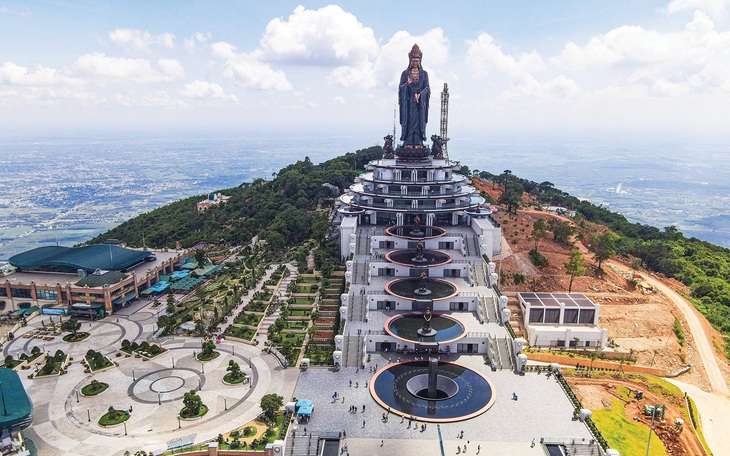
[(561, 320)]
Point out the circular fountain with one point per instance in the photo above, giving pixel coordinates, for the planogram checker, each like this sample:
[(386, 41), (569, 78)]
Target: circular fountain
[(411, 258), (414, 288), (425, 328), (415, 231), (433, 391)]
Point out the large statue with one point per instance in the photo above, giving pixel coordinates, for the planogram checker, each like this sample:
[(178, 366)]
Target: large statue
[(413, 96)]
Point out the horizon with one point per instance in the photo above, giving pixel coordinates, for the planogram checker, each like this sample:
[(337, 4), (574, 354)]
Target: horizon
[(579, 69)]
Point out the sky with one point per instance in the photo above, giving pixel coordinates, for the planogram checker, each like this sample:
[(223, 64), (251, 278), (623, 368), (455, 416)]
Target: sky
[(617, 68)]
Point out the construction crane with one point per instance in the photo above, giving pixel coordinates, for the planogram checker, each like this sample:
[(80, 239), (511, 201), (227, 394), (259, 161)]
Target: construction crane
[(445, 119)]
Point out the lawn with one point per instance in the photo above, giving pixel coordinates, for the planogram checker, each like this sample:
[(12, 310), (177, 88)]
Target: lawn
[(203, 410), (625, 435), (113, 417), (78, 337), (202, 357), (94, 388), (241, 333)]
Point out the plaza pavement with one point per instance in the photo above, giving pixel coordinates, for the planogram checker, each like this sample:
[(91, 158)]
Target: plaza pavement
[(508, 427), (61, 423)]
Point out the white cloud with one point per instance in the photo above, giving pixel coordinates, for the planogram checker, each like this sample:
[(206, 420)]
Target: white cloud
[(328, 36), (340, 100), (485, 56), (247, 70), (206, 90), (393, 56), (139, 40), (172, 68), (102, 69), (196, 40), (695, 59), (715, 8), (13, 74)]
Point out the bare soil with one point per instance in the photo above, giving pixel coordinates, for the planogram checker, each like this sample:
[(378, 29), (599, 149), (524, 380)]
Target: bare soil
[(599, 393), (638, 320)]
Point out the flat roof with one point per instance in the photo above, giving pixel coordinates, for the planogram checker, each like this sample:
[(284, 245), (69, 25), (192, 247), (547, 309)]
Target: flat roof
[(18, 406), (42, 278), (578, 300), (106, 257)]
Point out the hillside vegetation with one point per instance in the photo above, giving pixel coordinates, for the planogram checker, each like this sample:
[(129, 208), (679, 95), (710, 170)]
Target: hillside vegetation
[(702, 266), (284, 211)]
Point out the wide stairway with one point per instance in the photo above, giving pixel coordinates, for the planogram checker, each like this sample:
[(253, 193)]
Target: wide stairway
[(352, 356), (303, 444)]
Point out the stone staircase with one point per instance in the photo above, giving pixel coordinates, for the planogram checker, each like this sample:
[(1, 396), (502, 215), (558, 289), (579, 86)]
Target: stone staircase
[(268, 320), (352, 353), (505, 353), (303, 444), (516, 319), (358, 308)]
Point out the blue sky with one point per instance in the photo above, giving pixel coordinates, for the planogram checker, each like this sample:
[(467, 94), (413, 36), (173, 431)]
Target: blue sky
[(569, 68)]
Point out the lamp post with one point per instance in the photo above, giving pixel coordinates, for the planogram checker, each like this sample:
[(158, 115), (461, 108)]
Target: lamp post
[(88, 415), (125, 427), (202, 367), (225, 403), (179, 426), (159, 399), (173, 362), (134, 379), (77, 396), (233, 348), (651, 429)]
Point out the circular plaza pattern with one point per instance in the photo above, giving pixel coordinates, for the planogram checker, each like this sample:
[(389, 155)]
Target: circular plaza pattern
[(466, 393), (405, 327)]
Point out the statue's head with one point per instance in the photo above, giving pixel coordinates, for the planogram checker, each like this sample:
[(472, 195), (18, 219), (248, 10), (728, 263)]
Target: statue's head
[(415, 56)]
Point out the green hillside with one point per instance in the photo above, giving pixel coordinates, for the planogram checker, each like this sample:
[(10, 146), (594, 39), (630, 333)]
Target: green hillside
[(284, 212)]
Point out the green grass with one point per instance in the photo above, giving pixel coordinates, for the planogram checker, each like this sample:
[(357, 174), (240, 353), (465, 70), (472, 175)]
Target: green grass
[(93, 389), (75, 338), (233, 381), (203, 410), (213, 355), (625, 435), (112, 418), (698, 429)]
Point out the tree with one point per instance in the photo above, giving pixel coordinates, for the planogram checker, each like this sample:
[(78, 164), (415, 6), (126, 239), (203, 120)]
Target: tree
[(603, 246), (575, 266), (193, 403), (539, 231), (561, 230), (71, 325), (208, 348), (200, 257), (270, 404), (234, 370), (170, 304)]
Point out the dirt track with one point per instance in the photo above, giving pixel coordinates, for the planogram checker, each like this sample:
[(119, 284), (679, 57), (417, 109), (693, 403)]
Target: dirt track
[(594, 393)]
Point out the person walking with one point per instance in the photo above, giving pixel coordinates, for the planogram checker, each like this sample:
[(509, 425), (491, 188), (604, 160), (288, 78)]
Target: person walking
[(363, 424)]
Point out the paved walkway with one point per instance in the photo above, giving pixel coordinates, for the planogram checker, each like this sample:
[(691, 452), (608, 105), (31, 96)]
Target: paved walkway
[(542, 410), (714, 418), (65, 424)]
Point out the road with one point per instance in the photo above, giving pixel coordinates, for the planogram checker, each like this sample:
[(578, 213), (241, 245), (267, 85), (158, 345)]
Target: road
[(703, 345), (713, 416)]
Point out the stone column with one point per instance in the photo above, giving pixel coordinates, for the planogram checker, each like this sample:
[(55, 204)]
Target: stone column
[(433, 365)]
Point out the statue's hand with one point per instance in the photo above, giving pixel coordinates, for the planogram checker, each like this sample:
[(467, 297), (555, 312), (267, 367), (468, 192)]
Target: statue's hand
[(418, 97), (409, 80)]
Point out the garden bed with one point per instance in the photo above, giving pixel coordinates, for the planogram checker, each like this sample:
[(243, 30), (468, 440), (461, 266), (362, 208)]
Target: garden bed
[(203, 410), (78, 337), (113, 418), (94, 388)]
